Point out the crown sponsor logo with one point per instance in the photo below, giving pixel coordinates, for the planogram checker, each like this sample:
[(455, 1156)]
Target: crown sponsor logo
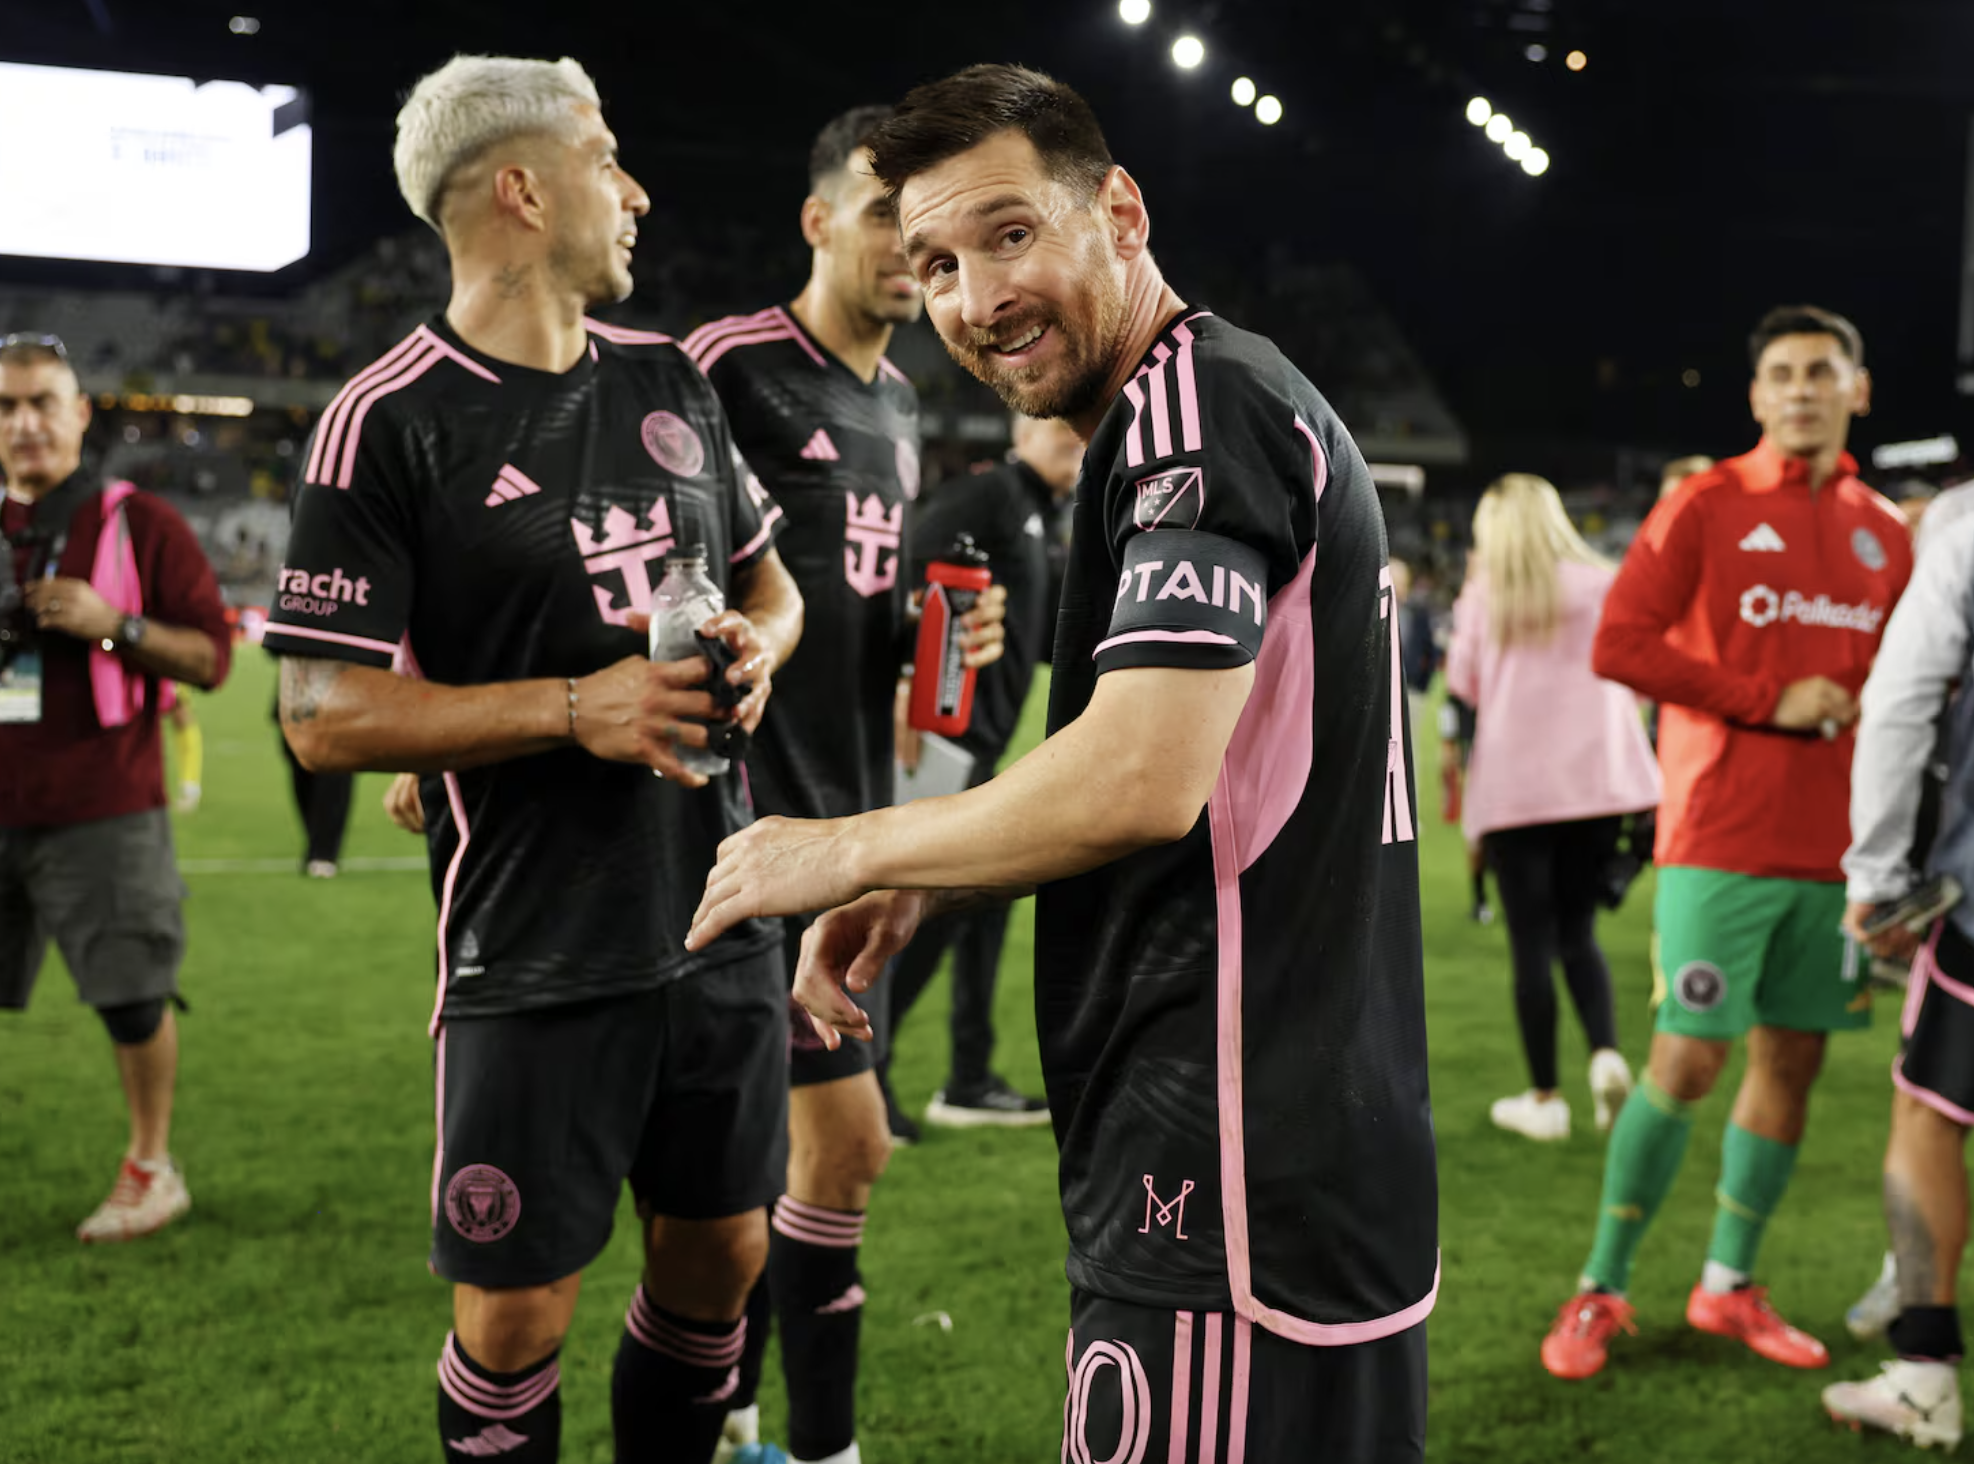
[(619, 554), (871, 535)]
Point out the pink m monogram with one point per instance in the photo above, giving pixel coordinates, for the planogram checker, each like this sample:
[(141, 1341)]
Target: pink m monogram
[(873, 531), (627, 548), (1169, 1212)]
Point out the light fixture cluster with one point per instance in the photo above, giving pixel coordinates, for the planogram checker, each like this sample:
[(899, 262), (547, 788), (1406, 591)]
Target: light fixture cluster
[(1500, 129), (1189, 54)]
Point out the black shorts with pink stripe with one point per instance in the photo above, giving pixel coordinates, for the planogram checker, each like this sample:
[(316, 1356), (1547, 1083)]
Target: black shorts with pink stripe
[(1936, 1062), (1148, 1386), (544, 1116)]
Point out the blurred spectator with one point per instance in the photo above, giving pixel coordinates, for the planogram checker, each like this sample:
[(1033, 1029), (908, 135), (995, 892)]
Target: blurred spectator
[(1559, 757), (1679, 470)]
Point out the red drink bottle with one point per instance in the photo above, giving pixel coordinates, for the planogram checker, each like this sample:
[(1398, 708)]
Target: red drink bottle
[(942, 682)]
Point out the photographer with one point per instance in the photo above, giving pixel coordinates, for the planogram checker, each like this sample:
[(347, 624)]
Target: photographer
[(104, 593), (1926, 651)]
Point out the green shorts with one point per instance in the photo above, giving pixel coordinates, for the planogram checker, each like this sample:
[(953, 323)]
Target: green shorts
[(1734, 951)]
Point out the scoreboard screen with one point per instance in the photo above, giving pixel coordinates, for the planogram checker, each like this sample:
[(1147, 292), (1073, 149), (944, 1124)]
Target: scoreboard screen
[(165, 170)]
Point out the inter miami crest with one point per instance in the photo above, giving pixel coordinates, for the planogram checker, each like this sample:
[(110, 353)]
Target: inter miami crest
[(482, 1203), (1699, 986), (1170, 500)]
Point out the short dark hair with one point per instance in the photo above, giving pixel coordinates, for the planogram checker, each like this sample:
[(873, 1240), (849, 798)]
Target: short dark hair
[(1788, 320), (942, 119), (839, 140)]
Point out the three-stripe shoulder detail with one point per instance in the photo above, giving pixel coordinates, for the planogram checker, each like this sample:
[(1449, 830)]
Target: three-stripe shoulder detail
[(712, 341), (332, 458)]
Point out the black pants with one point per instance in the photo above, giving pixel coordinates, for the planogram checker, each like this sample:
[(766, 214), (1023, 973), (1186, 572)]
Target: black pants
[(1547, 877), (975, 938), (324, 802)]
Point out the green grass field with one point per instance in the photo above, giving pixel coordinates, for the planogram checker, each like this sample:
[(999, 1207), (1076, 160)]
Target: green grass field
[(290, 1317)]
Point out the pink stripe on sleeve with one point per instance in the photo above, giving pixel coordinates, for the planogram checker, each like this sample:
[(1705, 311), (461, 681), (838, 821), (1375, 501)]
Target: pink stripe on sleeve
[(1173, 637), (1134, 437), (1161, 408), (1237, 1401), (334, 637), (328, 432), (801, 337), (344, 466), (1182, 368), (747, 550), (452, 353), (719, 348)]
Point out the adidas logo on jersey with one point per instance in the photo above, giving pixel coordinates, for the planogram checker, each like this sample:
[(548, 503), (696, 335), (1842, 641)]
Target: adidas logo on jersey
[(509, 484), (820, 449), (1764, 540)]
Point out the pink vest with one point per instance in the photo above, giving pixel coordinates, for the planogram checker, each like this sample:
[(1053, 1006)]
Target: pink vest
[(119, 689)]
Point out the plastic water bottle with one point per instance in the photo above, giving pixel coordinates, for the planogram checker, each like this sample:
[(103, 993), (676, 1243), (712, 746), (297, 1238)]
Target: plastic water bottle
[(685, 600)]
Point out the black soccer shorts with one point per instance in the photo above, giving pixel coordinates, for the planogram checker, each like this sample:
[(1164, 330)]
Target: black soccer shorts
[(544, 1115), (1936, 1062), (1156, 1385), (809, 1062)]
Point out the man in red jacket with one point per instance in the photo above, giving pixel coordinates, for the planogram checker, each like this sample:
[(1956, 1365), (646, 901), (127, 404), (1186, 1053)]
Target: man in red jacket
[(1750, 608), (102, 597)]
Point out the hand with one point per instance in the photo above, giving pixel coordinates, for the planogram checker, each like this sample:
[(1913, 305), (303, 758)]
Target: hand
[(640, 711), (779, 866), (754, 662), (402, 804), (848, 948), (985, 628), (1813, 702), (904, 735), (72, 607), (1896, 944)]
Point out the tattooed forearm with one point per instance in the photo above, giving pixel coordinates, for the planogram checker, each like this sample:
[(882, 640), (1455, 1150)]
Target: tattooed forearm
[(305, 684), (1912, 1243)]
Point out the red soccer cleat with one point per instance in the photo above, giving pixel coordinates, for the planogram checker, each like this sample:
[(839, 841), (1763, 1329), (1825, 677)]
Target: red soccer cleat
[(1745, 1314), (1580, 1339)]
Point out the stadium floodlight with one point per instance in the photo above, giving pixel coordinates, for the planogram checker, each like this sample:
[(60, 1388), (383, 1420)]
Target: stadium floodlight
[(1188, 52), (1518, 146), (1268, 111), (1244, 91), (1134, 12), (1535, 163), (1498, 127), (1576, 60), (1537, 52), (1479, 110), (244, 25)]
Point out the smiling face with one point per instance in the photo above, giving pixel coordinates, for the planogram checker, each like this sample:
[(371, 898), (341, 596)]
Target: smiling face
[(1021, 275), (1805, 392), (592, 209), (854, 229)]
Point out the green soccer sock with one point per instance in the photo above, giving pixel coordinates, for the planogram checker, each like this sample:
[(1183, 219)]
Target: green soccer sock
[(1754, 1172), (1647, 1144)]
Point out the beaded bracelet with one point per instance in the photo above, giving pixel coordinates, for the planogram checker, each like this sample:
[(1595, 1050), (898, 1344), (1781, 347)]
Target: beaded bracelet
[(573, 699)]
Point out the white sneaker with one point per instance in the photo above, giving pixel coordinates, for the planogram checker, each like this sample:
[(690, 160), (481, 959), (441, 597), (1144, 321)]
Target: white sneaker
[(742, 1427), (1918, 1401), (146, 1197), (320, 869), (1877, 1308), (1610, 1085), (1532, 1117)]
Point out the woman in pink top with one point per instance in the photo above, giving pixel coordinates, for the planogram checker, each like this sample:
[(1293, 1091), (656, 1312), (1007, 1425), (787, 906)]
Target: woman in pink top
[(1559, 757)]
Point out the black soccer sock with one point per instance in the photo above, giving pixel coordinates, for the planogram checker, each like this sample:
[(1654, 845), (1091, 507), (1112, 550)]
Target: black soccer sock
[(1927, 1334), (515, 1416), (760, 1324), (819, 1299), (674, 1381)]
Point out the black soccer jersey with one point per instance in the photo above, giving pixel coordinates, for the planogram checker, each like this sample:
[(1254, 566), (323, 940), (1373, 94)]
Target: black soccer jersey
[(501, 523), (841, 457), (1013, 516), (1233, 1025)]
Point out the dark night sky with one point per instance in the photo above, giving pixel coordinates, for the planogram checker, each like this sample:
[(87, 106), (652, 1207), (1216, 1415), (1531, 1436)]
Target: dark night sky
[(1715, 157)]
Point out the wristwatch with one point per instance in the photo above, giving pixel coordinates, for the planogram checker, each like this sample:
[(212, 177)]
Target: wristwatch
[(130, 633)]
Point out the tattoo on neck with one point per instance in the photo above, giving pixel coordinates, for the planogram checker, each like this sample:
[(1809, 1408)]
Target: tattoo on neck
[(512, 281)]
